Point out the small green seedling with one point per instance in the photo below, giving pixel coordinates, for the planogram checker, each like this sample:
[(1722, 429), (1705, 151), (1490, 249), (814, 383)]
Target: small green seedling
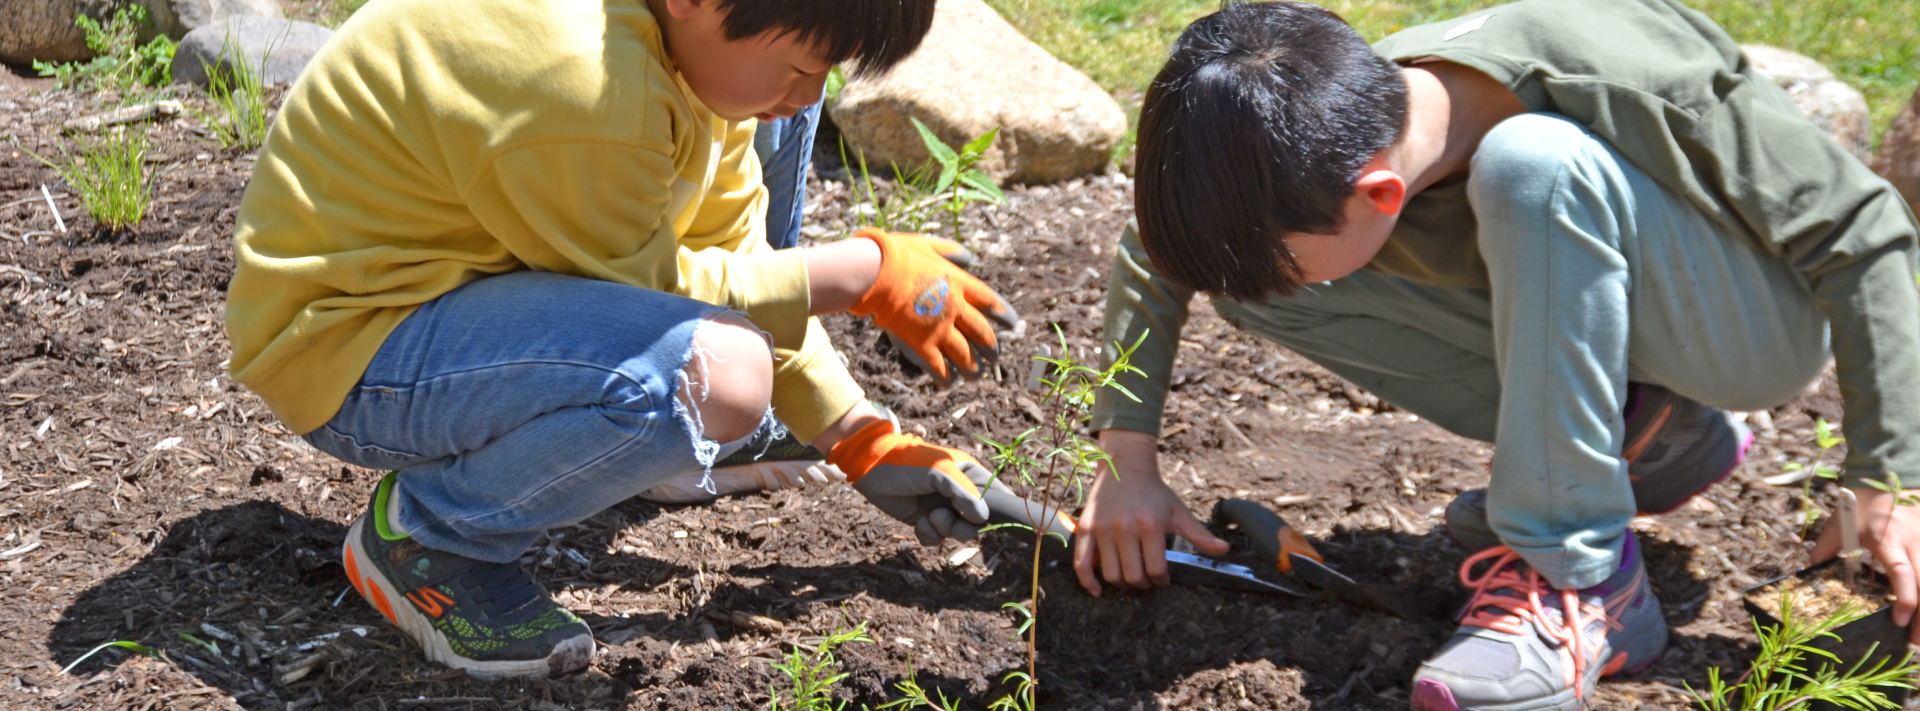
[(1891, 485), (109, 172), (912, 696), (811, 677), (948, 183), (135, 647), (1827, 437), (1791, 674), (123, 65), (1055, 464), (959, 182)]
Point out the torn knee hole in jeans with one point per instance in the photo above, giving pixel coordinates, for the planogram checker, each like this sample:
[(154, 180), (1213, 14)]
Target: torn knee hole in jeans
[(692, 391)]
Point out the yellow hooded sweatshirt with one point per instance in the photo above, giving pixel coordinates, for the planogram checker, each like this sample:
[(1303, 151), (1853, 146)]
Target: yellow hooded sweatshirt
[(435, 142)]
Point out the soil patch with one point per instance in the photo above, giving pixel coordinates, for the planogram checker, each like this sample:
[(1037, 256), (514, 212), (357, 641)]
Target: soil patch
[(143, 495)]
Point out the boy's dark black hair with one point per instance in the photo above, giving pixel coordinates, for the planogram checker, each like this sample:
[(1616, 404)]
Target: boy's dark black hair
[(873, 34), (1258, 126)]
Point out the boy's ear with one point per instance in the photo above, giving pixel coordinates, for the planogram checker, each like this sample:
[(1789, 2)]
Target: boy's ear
[(1384, 189), (683, 9)]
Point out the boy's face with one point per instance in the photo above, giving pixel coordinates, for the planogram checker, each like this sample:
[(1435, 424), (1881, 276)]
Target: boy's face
[(1329, 257), (761, 77), (1371, 212)]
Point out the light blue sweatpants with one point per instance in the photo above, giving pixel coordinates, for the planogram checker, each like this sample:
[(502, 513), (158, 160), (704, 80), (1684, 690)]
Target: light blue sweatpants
[(1599, 276)]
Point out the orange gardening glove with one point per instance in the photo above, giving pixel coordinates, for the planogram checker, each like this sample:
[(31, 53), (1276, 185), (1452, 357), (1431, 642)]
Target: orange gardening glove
[(926, 300), (894, 471)]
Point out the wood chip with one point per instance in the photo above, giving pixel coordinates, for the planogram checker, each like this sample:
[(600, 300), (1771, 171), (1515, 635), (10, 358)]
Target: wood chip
[(1235, 429), (759, 623)]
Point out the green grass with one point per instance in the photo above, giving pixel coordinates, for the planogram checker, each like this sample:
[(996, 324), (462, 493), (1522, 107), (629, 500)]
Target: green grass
[(109, 173), (1873, 45), (239, 92)]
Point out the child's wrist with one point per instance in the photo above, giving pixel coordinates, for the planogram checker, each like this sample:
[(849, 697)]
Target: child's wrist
[(840, 274), (854, 421)]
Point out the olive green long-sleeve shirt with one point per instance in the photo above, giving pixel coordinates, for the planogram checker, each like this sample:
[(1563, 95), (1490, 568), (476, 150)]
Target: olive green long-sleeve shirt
[(1672, 93)]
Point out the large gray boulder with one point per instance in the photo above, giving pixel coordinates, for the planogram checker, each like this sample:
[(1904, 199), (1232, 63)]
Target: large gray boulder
[(286, 45), (44, 29), (1836, 108), (176, 18), (1899, 158), (975, 73)]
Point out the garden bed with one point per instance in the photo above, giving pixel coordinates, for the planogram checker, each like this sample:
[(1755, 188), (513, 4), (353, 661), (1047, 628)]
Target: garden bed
[(164, 498)]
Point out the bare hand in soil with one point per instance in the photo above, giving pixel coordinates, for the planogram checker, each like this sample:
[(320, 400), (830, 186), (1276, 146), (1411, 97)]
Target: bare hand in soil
[(1892, 534), (1124, 527)]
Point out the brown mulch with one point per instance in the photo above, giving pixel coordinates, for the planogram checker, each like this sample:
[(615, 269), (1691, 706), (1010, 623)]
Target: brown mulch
[(146, 497)]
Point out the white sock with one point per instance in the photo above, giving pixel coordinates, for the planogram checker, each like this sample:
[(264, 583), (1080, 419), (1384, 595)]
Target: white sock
[(393, 518)]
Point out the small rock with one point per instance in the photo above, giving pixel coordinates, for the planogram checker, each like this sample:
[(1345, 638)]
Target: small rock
[(975, 73), (1899, 158), (1838, 109), (285, 46)]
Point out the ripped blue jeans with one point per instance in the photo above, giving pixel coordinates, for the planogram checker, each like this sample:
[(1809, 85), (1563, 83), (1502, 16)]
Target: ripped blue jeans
[(524, 402)]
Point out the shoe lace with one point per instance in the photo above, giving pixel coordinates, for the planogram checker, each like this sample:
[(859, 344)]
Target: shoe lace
[(503, 589), (1516, 612)]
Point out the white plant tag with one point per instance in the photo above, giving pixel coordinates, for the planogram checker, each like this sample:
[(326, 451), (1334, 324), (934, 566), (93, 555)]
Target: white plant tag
[(1848, 519)]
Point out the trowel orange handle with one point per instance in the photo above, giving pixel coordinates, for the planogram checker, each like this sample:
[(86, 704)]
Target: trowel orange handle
[(1273, 540)]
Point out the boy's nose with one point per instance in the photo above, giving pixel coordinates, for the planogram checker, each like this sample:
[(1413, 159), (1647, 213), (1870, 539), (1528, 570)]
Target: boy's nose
[(808, 92)]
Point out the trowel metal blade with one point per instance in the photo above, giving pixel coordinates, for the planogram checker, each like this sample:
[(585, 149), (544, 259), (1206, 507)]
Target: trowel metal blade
[(1187, 568)]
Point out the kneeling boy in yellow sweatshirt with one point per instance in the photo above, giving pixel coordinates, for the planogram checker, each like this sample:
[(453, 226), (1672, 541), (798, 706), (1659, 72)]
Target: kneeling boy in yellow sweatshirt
[(513, 250)]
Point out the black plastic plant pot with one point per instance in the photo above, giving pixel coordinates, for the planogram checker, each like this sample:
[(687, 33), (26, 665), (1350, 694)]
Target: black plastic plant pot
[(1857, 639)]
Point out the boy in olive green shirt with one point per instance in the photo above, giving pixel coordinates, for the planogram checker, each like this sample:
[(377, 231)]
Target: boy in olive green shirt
[(1579, 230)]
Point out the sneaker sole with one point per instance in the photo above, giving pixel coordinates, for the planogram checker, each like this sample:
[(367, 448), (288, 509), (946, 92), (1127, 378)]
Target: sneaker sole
[(1432, 695), (570, 655)]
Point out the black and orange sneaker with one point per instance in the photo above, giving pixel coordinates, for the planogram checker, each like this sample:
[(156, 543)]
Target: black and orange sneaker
[(488, 619)]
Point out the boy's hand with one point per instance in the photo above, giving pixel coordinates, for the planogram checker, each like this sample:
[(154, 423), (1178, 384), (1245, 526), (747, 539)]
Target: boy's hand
[(927, 301), (1892, 535), (1124, 527), (894, 470)]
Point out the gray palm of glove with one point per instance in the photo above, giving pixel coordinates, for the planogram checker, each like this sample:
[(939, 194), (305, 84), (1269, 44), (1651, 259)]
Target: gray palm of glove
[(897, 490)]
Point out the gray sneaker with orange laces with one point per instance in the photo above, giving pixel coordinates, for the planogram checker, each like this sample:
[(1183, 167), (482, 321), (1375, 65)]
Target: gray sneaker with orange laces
[(1525, 646)]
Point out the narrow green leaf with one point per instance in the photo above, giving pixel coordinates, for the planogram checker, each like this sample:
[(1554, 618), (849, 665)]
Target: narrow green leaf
[(979, 145), (948, 173), (135, 647), (983, 183), (937, 148)]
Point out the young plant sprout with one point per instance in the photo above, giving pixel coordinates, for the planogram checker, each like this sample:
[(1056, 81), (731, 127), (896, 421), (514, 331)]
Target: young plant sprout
[(1791, 673), (1827, 437), (1055, 464), (812, 677), (947, 183)]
